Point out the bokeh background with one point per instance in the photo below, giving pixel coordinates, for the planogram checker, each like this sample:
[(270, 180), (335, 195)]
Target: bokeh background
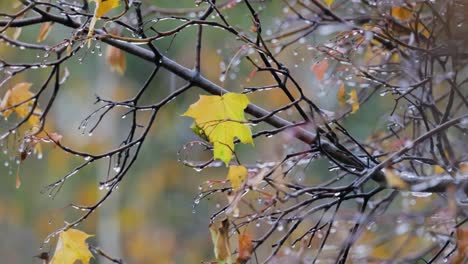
[(151, 218)]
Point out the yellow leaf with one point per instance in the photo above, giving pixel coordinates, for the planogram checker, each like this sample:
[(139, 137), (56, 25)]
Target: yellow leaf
[(395, 57), (401, 13), (69, 49), (72, 247), (34, 120), (116, 59), (421, 28), (341, 96), (237, 175), (329, 2), (220, 237), (464, 167), (438, 170), (394, 181), (104, 6), (353, 101), (221, 120), (44, 31), (18, 94)]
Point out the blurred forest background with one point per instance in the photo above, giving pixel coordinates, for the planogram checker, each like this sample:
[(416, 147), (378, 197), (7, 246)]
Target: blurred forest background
[(152, 218)]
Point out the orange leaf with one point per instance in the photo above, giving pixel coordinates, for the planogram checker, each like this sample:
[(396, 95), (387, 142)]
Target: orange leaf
[(245, 248), (341, 96), (319, 69), (462, 241), (401, 13)]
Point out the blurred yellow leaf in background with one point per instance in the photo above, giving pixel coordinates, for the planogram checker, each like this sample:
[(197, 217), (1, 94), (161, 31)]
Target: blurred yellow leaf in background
[(18, 94), (329, 2), (401, 13)]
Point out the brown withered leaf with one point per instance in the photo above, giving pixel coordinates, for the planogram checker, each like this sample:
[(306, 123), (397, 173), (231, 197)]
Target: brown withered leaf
[(220, 236), (462, 245), (116, 59), (44, 31)]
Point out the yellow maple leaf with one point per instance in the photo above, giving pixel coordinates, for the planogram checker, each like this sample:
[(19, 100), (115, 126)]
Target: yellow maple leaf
[(221, 120), (353, 101), (237, 175), (341, 96), (18, 94), (72, 247), (329, 2)]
